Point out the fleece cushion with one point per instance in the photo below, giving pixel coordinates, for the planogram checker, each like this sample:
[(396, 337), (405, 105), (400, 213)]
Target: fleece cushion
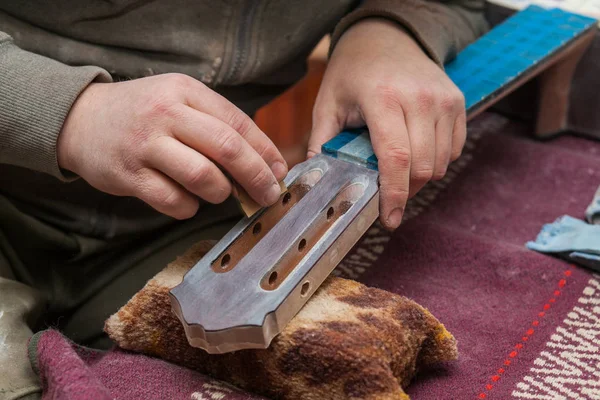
[(348, 342)]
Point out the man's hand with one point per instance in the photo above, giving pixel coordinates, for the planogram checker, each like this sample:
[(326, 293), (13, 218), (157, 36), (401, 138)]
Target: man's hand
[(378, 76), (161, 138)]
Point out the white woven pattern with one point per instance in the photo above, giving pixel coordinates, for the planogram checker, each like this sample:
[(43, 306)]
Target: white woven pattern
[(216, 390), (569, 365)]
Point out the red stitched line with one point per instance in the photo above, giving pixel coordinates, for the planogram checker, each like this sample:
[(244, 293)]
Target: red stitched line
[(530, 331)]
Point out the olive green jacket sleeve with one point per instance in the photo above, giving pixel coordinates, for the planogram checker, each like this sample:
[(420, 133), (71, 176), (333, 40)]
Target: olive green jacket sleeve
[(36, 94), (442, 28)]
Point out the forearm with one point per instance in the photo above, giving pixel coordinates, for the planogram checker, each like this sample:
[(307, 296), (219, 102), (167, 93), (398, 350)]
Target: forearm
[(37, 94), (442, 29)]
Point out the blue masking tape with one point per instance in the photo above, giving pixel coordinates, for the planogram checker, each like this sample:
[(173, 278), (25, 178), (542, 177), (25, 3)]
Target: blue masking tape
[(338, 142), (353, 146)]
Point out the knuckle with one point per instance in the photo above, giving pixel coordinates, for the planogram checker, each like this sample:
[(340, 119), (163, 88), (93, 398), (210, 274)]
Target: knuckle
[(399, 193), (439, 174), (163, 100), (239, 121), (424, 99), (399, 158), (394, 194), (179, 81), (422, 173), (221, 195), (229, 146), (159, 108), (261, 179), (130, 162), (452, 101), (199, 175), (459, 98), (448, 104), (389, 97), (168, 199), (268, 151)]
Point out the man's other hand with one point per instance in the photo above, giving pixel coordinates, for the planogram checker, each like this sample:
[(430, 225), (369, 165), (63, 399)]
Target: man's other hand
[(379, 76)]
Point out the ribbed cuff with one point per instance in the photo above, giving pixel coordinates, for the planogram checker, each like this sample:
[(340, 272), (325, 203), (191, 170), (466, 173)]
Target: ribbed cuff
[(424, 20), (32, 346), (36, 96)]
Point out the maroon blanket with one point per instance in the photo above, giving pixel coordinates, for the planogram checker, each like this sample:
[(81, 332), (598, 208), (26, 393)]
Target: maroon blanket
[(528, 326), (72, 372)]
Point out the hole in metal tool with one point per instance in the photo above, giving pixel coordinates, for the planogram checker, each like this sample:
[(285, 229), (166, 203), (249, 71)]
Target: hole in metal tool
[(273, 278), (286, 198), (330, 213), (302, 245), (342, 202), (265, 221), (225, 260), (305, 288)]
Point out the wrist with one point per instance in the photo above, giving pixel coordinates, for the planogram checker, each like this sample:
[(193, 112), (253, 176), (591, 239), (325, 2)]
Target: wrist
[(74, 124), (380, 34)]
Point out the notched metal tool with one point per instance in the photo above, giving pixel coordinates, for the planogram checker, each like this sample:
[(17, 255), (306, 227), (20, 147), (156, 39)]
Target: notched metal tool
[(248, 287)]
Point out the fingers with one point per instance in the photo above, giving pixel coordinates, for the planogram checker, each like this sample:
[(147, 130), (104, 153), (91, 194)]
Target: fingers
[(325, 127), (391, 143), (164, 195), (225, 146), (421, 131), (459, 135), (207, 101), (190, 169), (443, 139), (451, 132), (414, 137)]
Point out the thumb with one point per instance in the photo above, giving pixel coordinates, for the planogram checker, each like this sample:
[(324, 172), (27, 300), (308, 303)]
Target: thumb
[(326, 126)]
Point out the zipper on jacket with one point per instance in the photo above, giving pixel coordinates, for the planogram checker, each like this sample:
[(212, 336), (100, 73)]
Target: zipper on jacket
[(242, 40)]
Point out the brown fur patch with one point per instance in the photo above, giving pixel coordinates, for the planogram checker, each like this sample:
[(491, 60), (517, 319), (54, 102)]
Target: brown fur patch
[(371, 298), (365, 385)]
